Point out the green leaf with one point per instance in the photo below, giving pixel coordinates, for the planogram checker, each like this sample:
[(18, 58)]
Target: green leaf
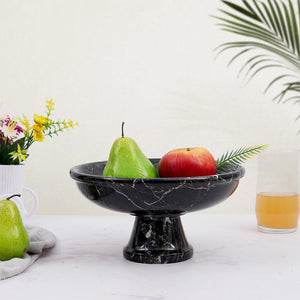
[(5, 150), (263, 68), (241, 10), (239, 54), (258, 45), (252, 33), (269, 30), (256, 63), (292, 98), (238, 156), (276, 18), (249, 61), (264, 19), (251, 9), (275, 80), (295, 28), (282, 24), (243, 22), (269, 17)]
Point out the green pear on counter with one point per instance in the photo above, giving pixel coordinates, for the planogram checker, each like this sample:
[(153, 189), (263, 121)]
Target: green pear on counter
[(14, 240), (126, 160)]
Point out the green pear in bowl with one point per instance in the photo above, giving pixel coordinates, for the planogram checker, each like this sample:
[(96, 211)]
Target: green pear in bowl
[(14, 240), (126, 160)]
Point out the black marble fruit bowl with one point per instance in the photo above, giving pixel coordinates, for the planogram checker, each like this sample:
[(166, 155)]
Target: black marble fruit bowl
[(157, 203)]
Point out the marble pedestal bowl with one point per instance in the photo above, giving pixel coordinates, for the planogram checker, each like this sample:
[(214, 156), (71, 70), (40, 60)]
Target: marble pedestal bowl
[(157, 204)]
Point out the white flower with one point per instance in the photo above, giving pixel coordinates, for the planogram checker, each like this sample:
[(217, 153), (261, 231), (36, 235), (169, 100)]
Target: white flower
[(9, 128)]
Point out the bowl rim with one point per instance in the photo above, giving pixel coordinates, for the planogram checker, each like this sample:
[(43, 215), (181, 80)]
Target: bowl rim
[(77, 175)]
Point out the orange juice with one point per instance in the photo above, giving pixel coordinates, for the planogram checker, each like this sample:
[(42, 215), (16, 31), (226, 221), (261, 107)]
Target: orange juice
[(277, 210)]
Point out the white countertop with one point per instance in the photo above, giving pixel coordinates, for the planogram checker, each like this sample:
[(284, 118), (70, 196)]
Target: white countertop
[(232, 260)]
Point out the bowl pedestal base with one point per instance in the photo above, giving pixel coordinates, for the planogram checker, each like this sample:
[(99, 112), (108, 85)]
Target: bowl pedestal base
[(157, 239)]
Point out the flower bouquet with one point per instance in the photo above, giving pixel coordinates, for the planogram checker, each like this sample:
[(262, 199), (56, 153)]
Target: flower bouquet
[(18, 134)]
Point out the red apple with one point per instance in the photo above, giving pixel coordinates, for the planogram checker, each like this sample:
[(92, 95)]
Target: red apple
[(187, 162)]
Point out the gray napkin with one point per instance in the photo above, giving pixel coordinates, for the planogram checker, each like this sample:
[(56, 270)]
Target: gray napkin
[(40, 239)]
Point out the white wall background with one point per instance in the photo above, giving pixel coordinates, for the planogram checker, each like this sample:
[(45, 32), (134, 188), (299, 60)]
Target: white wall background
[(148, 63)]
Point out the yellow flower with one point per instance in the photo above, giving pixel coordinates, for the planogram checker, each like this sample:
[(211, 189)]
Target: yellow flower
[(49, 106), (38, 136), (20, 154), (40, 119), (25, 122), (38, 127), (69, 124)]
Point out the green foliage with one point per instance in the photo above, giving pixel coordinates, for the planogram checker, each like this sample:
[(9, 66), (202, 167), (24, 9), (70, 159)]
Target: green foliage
[(269, 32), (237, 157), (6, 149)]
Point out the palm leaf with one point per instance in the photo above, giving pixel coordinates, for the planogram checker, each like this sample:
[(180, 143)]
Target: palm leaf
[(294, 28), (290, 87), (239, 156), (275, 80), (271, 27), (263, 68), (263, 18), (282, 23), (250, 12), (249, 63), (269, 17), (276, 19)]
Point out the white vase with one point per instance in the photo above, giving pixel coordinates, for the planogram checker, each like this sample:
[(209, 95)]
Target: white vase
[(12, 178)]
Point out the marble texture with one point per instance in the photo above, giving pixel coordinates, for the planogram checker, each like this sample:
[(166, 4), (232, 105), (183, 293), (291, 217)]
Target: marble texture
[(157, 240), (158, 236), (154, 195), (231, 260)]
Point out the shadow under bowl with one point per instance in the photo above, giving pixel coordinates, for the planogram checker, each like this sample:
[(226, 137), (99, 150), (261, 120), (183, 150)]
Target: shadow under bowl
[(157, 203)]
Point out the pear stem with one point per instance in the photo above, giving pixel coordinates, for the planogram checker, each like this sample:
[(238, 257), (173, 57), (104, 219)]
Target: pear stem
[(14, 195), (123, 129)]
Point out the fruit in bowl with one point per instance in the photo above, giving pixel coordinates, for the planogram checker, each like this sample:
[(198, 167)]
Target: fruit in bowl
[(158, 203), (187, 162), (126, 160)]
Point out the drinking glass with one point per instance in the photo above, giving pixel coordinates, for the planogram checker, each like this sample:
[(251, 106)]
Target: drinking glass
[(277, 200)]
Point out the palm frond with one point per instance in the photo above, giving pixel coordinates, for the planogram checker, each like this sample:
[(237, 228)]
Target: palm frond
[(271, 27), (250, 12), (238, 156), (274, 80), (293, 87)]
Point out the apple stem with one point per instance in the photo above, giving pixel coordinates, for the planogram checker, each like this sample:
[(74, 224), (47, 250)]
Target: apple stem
[(188, 149), (123, 129), (14, 195)]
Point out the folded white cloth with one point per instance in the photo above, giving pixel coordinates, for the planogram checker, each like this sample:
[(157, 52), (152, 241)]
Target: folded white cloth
[(40, 239)]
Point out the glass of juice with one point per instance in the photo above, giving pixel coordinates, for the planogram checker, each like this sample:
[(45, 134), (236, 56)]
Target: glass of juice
[(277, 200)]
